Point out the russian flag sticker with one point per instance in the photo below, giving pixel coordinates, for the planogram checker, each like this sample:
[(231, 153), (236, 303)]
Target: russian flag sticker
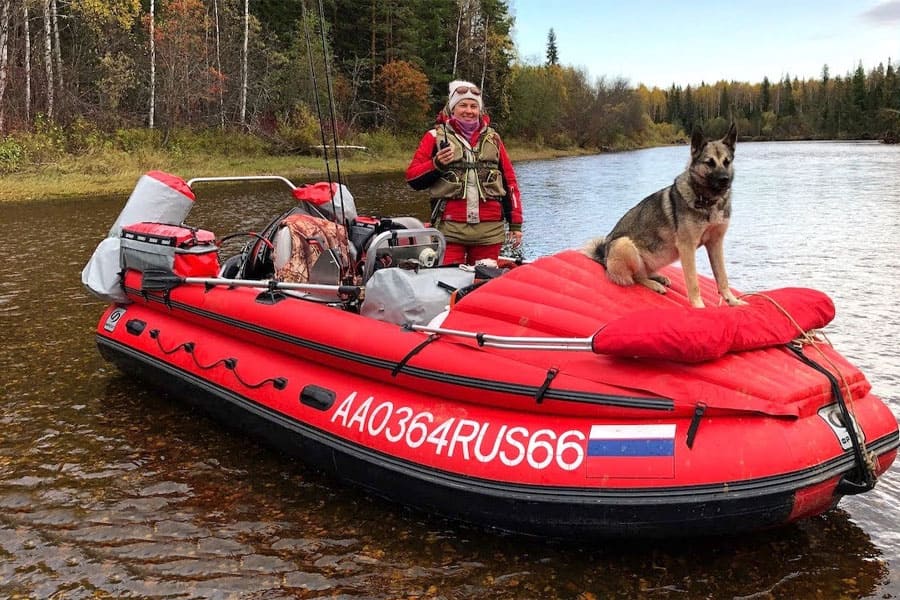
[(631, 451)]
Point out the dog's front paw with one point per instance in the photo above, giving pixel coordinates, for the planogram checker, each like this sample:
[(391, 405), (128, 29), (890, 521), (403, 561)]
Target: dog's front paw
[(661, 279), (698, 303), (653, 285), (730, 298)]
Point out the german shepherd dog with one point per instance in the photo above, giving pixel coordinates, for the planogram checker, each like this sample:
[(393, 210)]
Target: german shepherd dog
[(672, 223)]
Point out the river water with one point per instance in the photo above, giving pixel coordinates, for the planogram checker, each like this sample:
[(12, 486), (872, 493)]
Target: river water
[(108, 489)]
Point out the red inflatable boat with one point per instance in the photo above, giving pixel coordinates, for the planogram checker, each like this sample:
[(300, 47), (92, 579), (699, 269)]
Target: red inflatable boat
[(544, 400)]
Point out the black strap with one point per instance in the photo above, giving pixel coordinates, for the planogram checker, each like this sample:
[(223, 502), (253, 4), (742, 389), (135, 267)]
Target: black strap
[(437, 210), (551, 374), (411, 353), (866, 477), (446, 286), (699, 409)]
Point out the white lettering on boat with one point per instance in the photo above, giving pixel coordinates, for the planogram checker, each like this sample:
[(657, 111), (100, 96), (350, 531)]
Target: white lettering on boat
[(484, 441)]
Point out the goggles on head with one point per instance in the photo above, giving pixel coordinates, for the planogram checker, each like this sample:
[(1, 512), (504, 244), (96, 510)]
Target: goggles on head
[(465, 89)]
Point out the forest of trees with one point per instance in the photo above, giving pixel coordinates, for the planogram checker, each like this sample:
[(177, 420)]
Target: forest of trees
[(86, 68)]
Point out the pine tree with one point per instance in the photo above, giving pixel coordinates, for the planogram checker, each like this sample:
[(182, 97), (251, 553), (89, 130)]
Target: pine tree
[(787, 106), (765, 98), (552, 53)]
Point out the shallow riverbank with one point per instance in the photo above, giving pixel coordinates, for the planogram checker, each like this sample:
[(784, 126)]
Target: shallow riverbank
[(106, 176)]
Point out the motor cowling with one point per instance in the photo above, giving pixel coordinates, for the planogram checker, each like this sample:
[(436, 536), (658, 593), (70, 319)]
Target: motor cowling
[(157, 197)]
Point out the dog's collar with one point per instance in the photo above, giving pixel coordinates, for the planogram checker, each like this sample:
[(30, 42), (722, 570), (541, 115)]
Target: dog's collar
[(706, 203)]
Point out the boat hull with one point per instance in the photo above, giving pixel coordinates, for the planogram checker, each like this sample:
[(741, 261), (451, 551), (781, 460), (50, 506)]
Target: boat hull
[(492, 464), (553, 434)]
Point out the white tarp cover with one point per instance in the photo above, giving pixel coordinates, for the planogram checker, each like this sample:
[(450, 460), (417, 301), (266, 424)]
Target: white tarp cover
[(102, 274), (404, 296), (158, 197)]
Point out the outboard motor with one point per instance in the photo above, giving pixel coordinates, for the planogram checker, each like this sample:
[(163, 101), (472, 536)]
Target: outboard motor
[(157, 197)]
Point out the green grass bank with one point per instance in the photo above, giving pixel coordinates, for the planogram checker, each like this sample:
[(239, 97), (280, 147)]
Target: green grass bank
[(37, 167)]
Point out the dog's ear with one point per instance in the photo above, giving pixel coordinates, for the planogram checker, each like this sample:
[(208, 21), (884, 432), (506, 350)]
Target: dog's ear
[(697, 141), (730, 138)]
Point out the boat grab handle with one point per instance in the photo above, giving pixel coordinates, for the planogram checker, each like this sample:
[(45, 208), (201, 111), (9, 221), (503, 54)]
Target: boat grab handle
[(511, 342), (191, 182)]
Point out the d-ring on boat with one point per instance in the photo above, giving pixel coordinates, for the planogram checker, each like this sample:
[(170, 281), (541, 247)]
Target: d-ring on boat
[(545, 400)]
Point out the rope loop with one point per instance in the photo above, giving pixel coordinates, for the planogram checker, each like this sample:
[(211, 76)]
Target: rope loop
[(813, 339)]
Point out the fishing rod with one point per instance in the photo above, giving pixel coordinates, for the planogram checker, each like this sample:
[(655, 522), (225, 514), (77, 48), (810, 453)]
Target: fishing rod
[(315, 84), (331, 107)]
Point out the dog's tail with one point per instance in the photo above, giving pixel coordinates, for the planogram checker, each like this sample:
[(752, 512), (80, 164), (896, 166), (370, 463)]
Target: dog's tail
[(596, 249)]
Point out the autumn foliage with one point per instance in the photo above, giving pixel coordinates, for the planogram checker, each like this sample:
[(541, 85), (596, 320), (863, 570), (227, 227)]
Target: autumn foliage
[(404, 92), (185, 80)]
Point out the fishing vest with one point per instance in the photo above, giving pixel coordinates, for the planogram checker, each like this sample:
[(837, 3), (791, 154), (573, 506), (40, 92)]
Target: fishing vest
[(481, 162)]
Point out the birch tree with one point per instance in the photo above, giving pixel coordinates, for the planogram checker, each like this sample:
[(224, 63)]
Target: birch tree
[(27, 32), (456, 42), (48, 58), (484, 52), (244, 64), (464, 64), (151, 116), (4, 55), (57, 50), (219, 74)]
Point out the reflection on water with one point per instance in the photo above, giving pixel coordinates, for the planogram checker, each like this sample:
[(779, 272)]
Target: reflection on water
[(111, 490)]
